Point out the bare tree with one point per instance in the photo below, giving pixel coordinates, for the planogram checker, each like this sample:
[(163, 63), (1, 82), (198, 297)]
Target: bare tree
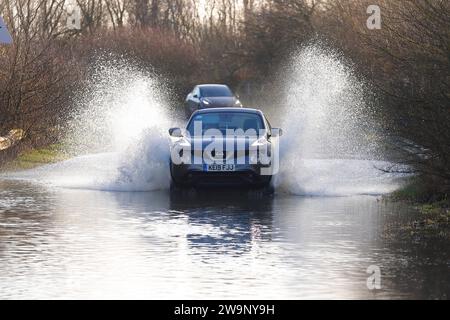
[(33, 77), (92, 13), (141, 12), (116, 10)]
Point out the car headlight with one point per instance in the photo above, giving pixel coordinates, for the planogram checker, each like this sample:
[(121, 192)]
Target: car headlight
[(182, 149), (261, 141), (261, 151), (183, 143), (238, 102)]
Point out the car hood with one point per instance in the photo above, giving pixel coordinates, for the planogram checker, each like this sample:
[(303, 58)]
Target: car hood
[(221, 102)]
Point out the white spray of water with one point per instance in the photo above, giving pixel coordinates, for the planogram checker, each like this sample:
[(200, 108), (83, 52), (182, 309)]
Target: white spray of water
[(329, 133), (120, 128)]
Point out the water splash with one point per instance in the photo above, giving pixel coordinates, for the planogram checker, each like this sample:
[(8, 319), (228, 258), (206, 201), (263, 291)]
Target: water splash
[(120, 102), (118, 131), (331, 145)]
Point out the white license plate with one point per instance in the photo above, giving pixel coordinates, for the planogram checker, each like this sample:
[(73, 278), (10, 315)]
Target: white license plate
[(218, 167)]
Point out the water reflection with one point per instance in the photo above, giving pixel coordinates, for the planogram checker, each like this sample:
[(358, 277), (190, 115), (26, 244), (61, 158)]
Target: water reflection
[(75, 243), (234, 221)]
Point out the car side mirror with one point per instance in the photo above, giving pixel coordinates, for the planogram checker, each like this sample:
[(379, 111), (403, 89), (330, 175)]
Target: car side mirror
[(277, 132), (175, 132), (195, 96)]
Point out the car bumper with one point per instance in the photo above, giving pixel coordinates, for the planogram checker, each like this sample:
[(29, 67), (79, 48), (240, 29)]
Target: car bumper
[(246, 175)]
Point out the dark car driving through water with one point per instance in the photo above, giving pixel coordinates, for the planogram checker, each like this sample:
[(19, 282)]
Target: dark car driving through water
[(210, 96), (227, 147)]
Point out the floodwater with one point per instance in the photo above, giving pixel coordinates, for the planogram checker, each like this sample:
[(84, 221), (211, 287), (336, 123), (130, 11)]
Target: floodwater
[(68, 243)]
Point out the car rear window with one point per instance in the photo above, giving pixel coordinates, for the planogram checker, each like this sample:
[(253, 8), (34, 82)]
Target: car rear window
[(215, 91)]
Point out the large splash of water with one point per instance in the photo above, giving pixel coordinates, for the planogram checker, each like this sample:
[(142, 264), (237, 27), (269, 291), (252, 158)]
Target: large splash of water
[(118, 131), (330, 146)]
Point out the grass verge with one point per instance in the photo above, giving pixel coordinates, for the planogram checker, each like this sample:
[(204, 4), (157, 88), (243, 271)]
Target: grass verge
[(35, 158), (433, 207)]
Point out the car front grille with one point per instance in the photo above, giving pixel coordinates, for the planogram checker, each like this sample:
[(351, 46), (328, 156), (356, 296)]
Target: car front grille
[(222, 155)]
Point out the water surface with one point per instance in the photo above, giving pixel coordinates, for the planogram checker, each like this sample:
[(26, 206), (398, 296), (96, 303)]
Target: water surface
[(65, 243)]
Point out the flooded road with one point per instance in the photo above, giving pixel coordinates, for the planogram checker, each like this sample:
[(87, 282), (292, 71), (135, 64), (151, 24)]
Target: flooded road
[(65, 243)]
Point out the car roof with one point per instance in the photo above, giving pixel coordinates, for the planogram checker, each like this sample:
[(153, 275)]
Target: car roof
[(211, 85), (228, 109)]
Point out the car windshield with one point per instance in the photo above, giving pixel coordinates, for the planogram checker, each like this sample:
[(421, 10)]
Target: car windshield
[(215, 91), (248, 123)]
